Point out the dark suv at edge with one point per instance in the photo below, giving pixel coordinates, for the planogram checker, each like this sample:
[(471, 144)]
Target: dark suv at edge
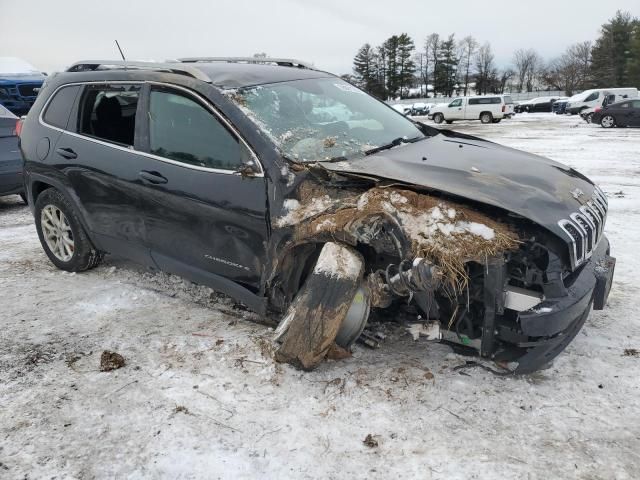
[(237, 174)]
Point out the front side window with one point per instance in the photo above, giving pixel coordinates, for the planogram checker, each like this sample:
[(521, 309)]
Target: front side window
[(108, 112), (182, 129), (456, 103), (635, 104), (59, 107), (322, 118), (593, 96)]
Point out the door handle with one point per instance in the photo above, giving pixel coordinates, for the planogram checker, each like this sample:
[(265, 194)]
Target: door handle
[(152, 177), (66, 153)]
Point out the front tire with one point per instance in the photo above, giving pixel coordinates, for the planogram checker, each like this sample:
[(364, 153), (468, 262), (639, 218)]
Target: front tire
[(486, 117), (589, 118), (61, 234), (608, 121), (438, 118)]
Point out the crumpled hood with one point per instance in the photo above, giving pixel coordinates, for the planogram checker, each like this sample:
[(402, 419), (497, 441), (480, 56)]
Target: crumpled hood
[(534, 187)]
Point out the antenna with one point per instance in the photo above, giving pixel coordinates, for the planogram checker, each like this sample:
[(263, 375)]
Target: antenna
[(121, 54)]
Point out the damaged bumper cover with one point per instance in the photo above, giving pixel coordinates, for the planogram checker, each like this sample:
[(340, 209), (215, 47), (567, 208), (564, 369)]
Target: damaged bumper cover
[(547, 329)]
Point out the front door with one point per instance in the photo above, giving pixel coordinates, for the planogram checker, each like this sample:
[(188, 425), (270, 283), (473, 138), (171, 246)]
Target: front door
[(204, 220), (455, 110), (634, 114)]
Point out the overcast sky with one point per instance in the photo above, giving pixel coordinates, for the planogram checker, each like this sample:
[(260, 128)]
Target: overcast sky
[(53, 33)]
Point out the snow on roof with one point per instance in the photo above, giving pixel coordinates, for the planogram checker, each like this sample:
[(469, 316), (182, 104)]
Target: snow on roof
[(13, 65)]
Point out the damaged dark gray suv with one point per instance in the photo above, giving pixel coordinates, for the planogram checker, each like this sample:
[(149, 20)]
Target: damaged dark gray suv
[(303, 197)]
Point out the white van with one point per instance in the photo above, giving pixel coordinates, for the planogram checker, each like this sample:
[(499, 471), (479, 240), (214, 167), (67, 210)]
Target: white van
[(594, 97), (487, 109)]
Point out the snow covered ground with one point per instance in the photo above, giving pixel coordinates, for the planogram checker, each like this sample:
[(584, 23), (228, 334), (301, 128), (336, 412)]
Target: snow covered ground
[(200, 396)]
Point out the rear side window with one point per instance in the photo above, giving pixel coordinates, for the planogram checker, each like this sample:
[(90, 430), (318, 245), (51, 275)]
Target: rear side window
[(108, 112), (485, 101), (59, 108), (182, 129)]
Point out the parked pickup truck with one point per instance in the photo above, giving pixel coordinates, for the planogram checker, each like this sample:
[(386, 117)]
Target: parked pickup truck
[(19, 84), (487, 109)]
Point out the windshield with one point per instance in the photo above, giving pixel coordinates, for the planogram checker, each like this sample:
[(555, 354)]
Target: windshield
[(322, 119)]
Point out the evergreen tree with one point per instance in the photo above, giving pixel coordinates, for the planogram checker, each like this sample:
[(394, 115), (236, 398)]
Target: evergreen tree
[(634, 58), (405, 64), (364, 68), (390, 47), (446, 73), (611, 54)]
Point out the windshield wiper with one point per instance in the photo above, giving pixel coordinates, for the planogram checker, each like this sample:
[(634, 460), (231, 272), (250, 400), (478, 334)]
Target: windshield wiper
[(393, 143)]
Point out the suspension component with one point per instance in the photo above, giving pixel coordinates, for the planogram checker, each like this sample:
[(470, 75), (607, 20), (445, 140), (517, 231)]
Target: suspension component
[(411, 277)]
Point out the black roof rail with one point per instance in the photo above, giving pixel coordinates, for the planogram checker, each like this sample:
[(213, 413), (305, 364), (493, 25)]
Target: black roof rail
[(179, 68), (283, 62)]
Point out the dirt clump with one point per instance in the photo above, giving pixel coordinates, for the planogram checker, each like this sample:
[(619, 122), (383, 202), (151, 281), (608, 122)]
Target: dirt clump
[(111, 361)]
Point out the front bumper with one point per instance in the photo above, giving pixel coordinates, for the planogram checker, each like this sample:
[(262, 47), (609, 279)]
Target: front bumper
[(548, 328)]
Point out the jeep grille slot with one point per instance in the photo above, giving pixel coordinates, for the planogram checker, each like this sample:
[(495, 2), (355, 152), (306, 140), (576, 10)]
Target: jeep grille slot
[(584, 228)]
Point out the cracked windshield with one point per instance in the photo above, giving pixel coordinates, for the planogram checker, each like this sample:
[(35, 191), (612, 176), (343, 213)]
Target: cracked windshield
[(323, 119)]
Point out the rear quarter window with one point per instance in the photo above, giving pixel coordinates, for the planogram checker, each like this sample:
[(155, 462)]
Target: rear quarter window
[(485, 101), (59, 107)]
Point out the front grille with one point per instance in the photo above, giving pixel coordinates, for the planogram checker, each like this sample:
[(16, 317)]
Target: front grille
[(28, 90), (585, 227)]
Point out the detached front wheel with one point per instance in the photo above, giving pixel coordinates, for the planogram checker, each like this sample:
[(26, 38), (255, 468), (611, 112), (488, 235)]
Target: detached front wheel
[(61, 234)]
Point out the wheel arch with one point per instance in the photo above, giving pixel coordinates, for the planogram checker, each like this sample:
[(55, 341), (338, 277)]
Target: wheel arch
[(38, 184)]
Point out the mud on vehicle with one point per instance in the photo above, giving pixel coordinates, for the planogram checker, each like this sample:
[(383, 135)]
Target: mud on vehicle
[(308, 200)]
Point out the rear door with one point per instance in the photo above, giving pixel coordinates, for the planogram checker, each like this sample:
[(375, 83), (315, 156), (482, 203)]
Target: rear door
[(204, 220), (99, 155)]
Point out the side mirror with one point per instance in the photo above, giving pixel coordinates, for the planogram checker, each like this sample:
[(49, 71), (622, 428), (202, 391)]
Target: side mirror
[(248, 170)]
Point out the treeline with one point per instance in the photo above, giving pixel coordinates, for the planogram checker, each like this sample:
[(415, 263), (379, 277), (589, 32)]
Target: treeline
[(447, 66)]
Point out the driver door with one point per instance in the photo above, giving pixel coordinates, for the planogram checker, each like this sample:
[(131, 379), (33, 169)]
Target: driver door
[(205, 220), (455, 110)]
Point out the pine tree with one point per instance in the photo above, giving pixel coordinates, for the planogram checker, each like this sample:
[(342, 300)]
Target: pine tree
[(633, 69), (612, 51), (447, 67), (364, 67), (390, 47), (405, 64)]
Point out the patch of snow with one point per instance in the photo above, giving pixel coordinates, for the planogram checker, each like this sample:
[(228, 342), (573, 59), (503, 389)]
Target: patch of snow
[(297, 212), (338, 261), (431, 330)]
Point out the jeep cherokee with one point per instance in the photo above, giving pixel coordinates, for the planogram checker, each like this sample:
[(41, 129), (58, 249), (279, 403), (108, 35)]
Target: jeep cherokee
[(303, 197)]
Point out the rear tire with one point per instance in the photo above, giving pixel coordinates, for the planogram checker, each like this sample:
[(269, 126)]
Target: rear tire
[(608, 121), (61, 234), (497, 120), (486, 117), (438, 118), (24, 198)]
